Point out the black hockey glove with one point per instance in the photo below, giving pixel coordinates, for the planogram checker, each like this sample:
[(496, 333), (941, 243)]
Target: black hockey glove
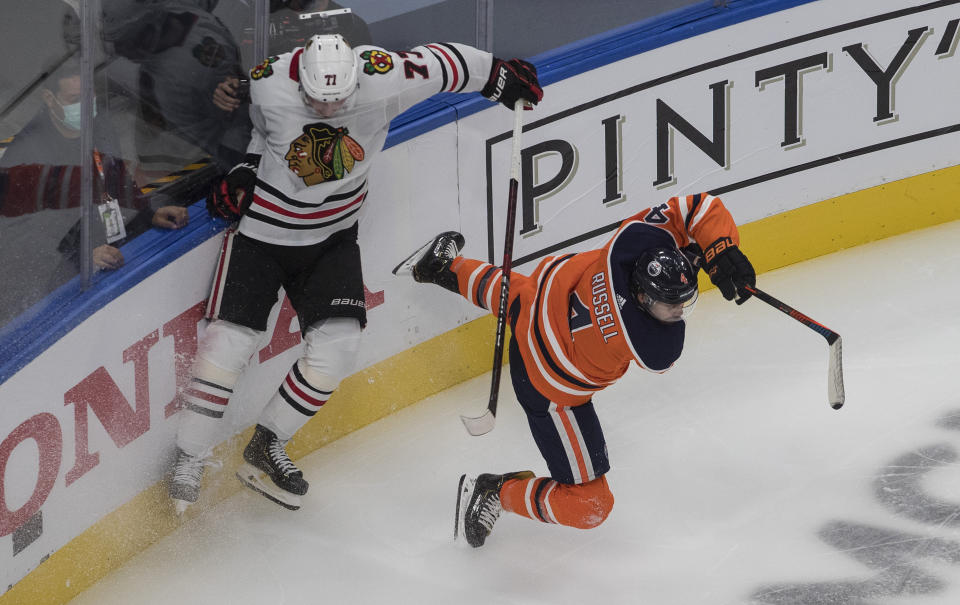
[(729, 269), (232, 195), (694, 254), (512, 80)]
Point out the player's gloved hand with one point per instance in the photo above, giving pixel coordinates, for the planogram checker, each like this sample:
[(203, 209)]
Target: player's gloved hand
[(232, 195), (512, 80), (694, 254), (729, 269)]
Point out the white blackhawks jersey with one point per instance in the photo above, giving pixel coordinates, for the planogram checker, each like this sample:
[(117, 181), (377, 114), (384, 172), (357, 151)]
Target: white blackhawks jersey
[(312, 179)]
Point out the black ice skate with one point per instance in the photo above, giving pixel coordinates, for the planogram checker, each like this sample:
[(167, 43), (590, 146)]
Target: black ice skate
[(478, 505), (184, 486), (266, 456), (430, 263)]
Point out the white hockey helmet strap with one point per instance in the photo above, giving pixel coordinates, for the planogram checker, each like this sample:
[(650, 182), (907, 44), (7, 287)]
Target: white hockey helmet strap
[(328, 68)]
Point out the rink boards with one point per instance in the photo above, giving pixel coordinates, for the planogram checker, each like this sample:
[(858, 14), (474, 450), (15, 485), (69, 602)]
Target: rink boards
[(821, 127)]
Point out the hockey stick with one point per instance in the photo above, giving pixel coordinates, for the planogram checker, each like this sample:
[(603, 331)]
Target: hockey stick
[(484, 424), (835, 371)]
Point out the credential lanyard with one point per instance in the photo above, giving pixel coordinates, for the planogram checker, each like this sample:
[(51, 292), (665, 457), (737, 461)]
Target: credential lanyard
[(109, 207)]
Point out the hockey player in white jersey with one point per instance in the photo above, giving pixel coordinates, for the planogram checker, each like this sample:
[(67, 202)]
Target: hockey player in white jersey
[(321, 115)]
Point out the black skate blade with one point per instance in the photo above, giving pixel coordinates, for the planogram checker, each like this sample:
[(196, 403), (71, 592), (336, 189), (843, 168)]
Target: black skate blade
[(250, 476), (406, 265), (457, 525)]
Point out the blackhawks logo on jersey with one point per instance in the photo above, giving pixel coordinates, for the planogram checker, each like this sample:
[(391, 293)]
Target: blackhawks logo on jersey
[(377, 62), (323, 153), (264, 70)]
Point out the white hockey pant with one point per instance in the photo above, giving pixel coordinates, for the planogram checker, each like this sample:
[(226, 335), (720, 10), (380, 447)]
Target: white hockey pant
[(222, 355), (330, 351)]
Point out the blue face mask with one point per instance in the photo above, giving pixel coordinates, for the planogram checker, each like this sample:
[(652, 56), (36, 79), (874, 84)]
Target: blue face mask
[(71, 114)]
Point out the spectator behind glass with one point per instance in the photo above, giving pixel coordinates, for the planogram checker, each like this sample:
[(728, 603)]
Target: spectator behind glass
[(288, 30), (40, 193), (182, 51)]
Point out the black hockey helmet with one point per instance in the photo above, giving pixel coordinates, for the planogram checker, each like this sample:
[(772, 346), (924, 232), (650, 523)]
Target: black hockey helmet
[(663, 275)]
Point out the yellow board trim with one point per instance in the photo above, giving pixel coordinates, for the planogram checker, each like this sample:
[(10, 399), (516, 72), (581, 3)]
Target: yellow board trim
[(163, 180), (465, 352), (853, 219)]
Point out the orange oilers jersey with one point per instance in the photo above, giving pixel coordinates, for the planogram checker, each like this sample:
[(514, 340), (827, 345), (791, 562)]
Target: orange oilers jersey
[(578, 328)]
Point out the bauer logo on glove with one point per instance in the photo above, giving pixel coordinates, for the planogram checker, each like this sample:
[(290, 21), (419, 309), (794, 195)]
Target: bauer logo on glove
[(512, 80), (729, 269)]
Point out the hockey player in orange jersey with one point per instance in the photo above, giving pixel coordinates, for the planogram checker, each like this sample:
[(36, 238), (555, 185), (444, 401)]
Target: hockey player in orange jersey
[(577, 322)]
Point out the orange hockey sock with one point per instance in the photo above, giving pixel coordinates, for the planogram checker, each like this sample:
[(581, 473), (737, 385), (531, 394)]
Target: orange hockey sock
[(479, 282), (583, 506)]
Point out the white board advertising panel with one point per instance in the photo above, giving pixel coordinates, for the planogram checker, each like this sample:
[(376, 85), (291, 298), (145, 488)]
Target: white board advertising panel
[(772, 114)]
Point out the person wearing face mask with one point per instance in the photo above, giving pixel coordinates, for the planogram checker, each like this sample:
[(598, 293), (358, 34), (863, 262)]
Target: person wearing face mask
[(578, 321), (320, 117), (40, 193)]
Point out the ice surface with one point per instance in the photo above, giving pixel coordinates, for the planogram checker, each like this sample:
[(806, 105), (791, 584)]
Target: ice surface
[(734, 480)]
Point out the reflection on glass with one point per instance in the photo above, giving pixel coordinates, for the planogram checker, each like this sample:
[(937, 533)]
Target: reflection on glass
[(171, 89), (40, 194), (170, 56), (292, 22)]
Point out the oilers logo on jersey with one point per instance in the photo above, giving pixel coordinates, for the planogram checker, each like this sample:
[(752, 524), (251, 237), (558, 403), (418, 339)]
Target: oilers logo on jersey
[(323, 153)]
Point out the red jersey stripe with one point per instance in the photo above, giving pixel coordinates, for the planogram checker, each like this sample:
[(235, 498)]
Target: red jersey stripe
[(453, 66), (259, 201)]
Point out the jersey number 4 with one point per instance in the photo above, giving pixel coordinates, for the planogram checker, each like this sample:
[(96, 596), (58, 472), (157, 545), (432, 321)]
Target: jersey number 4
[(579, 314), (656, 216)]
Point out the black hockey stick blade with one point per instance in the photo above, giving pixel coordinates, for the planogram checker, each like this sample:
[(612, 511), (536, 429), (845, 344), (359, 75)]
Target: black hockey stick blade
[(835, 391)]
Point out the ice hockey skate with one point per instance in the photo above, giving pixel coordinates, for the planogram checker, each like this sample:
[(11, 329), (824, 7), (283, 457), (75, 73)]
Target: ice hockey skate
[(478, 505), (428, 262), (184, 486), (268, 470)]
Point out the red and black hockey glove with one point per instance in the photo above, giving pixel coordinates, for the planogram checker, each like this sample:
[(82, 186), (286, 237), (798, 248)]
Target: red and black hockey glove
[(512, 80), (232, 195), (729, 269)]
